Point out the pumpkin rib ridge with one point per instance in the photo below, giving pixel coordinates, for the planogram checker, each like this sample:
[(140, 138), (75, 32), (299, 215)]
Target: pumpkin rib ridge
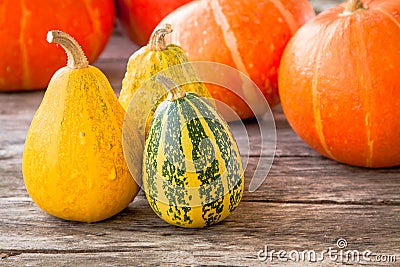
[(229, 38), (389, 16), (291, 22), (232, 45), (96, 26), (365, 80), (24, 49), (315, 96)]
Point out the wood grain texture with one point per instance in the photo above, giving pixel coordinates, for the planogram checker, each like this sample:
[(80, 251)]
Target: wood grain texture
[(137, 232), (306, 202)]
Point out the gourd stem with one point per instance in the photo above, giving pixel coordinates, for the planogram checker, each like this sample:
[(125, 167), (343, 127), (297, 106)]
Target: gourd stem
[(76, 57), (175, 92), (353, 6), (157, 38)]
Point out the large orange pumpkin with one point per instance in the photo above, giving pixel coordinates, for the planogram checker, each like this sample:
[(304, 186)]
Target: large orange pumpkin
[(27, 61), (249, 35), (339, 83)]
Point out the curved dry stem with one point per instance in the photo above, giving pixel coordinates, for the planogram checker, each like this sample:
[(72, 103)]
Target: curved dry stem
[(76, 57), (175, 92), (353, 6), (157, 38)]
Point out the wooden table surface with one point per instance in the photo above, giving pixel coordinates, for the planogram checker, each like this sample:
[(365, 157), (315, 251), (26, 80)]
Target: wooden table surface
[(307, 202)]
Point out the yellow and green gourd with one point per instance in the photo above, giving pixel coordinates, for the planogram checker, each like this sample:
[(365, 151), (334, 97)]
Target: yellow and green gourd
[(142, 67), (73, 163), (192, 170)]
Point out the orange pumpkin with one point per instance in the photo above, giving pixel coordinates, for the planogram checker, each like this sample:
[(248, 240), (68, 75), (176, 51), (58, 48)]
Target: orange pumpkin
[(249, 35), (27, 61), (339, 83), (139, 18)]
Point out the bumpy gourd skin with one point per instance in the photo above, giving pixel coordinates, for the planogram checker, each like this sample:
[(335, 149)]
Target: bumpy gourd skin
[(144, 64), (73, 163), (192, 170)]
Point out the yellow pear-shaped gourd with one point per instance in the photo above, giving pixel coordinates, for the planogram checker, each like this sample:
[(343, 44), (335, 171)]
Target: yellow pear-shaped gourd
[(139, 86), (73, 163)]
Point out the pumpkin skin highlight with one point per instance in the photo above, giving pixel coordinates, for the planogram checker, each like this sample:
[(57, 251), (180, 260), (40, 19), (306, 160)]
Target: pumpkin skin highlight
[(27, 62), (339, 84), (73, 163), (247, 35)]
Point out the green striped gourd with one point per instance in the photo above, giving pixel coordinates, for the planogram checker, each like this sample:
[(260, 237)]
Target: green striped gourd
[(192, 170), (147, 62)]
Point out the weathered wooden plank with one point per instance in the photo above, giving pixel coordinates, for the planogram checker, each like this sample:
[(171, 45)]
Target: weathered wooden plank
[(319, 180), (286, 142), (291, 180), (236, 241), (158, 257)]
